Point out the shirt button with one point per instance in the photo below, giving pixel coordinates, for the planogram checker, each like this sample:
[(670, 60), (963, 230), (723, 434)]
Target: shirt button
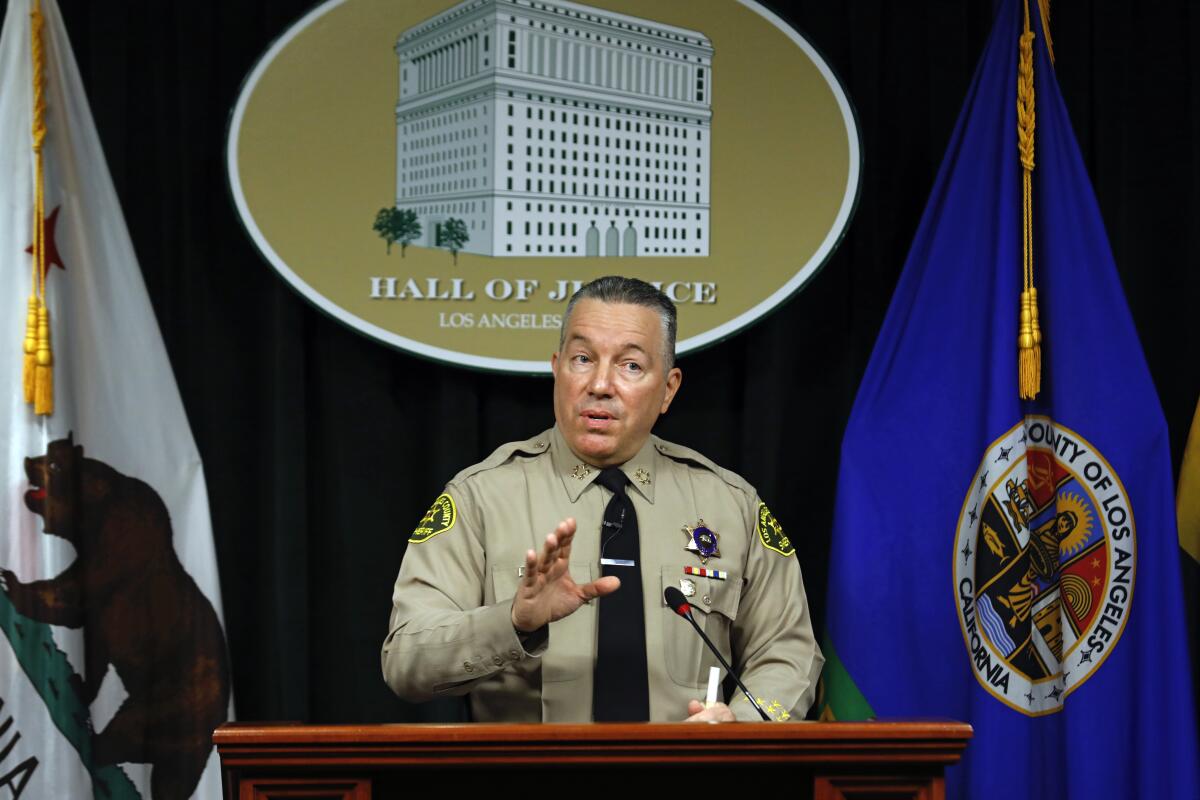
[(707, 602), (468, 666), (497, 660), (514, 655)]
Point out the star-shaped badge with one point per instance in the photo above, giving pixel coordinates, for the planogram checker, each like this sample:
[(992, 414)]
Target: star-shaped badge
[(702, 541)]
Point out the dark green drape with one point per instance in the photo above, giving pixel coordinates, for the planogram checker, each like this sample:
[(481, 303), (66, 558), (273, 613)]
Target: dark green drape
[(323, 449)]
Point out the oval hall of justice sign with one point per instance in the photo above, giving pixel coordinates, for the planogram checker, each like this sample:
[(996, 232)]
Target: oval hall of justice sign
[(442, 176)]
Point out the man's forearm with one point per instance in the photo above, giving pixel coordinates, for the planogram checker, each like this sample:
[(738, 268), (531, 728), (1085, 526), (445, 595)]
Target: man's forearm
[(447, 653)]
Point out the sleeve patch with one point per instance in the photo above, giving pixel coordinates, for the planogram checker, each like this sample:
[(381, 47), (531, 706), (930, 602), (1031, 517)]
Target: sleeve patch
[(440, 518), (771, 534)]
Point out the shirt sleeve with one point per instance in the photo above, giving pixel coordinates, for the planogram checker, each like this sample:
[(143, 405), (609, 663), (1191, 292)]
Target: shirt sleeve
[(442, 639), (772, 637)]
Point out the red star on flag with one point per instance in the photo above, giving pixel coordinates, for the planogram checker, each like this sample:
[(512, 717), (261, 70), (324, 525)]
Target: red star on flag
[(48, 227)]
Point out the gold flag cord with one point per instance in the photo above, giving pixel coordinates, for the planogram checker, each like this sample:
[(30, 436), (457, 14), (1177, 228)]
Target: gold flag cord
[(1029, 338), (38, 373), (1044, 8)]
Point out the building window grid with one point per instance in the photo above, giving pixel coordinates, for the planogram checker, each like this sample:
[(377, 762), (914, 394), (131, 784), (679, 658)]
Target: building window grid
[(662, 171)]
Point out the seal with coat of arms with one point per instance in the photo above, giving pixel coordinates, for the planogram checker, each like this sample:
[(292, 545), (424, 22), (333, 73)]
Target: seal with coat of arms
[(1044, 565)]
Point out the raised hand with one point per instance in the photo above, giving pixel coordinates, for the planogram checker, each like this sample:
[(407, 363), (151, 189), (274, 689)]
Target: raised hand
[(547, 592)]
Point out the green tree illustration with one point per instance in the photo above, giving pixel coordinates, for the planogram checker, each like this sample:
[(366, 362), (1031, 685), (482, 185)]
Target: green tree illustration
[(396, 225), (452, 235), (405, 228), (383, 226)]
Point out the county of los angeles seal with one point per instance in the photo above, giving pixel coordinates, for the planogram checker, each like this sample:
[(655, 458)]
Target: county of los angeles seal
[(1044, 565)]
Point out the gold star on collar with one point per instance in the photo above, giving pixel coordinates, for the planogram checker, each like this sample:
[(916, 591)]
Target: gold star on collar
[(642, 476), (581, 471)]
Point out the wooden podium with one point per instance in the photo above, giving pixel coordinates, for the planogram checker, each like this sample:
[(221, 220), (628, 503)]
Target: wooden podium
[(819, 760)]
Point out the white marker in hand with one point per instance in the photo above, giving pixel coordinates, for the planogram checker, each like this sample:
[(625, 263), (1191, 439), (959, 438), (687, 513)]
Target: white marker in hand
[(714, 683)]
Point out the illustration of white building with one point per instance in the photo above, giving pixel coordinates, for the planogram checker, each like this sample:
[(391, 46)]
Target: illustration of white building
[(555, 129)]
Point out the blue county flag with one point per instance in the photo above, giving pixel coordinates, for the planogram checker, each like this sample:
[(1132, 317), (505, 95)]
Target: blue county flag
[(1012, 563), (113, 670)]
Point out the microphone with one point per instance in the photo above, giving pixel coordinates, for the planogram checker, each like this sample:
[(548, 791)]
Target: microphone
[(680, 606)]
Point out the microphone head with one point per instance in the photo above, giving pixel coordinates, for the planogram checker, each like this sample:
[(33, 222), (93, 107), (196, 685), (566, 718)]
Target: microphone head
[(676, 601)]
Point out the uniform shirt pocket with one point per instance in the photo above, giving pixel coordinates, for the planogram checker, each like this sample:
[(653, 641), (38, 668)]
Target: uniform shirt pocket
[(505, 580), (572, 650), (714, 607)]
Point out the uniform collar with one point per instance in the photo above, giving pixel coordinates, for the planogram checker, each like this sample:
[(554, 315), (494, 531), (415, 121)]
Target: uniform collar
[(577, 476)]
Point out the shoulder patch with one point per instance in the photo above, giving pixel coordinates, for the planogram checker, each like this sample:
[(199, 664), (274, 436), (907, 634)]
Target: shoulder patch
[(440, 518), (771, 534)]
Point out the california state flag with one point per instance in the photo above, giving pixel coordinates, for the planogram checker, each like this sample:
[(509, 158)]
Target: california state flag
[(113, 670)]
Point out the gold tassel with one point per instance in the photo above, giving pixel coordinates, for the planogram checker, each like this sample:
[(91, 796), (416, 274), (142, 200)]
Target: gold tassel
[(28, 378), (1025, 346), (43, 402), (1030, 344), (1029, 334), (1037, 339)]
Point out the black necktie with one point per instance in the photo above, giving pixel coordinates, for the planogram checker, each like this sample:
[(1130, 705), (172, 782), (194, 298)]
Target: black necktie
[(620, 692)]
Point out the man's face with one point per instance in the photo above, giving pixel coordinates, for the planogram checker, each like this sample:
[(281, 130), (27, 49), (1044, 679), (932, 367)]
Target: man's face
[(610, 381)]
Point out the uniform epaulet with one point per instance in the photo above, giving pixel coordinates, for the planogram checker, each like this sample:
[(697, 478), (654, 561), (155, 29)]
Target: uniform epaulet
[(534, 446), (677, 452)]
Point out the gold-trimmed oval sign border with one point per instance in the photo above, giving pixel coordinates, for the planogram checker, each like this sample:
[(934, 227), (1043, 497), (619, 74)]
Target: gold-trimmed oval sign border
[(706, 147)]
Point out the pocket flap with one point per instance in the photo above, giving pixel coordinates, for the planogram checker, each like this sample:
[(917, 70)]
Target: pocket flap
[(505, 579)]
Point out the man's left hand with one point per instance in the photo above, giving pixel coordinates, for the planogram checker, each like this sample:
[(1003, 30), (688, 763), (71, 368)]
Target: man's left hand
[(719, 712)]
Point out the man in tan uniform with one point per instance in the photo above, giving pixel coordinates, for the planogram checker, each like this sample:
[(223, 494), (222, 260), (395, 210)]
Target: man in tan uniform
[(484, 604)]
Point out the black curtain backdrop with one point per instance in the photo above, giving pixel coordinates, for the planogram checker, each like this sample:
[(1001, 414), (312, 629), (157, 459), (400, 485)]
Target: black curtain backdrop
[(322, 449)]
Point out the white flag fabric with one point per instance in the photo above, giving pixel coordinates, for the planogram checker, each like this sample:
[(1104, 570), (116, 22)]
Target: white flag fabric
[(113, 668)]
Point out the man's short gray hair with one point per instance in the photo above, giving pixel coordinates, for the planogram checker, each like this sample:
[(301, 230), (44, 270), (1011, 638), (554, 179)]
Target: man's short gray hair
[(632, 291)]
